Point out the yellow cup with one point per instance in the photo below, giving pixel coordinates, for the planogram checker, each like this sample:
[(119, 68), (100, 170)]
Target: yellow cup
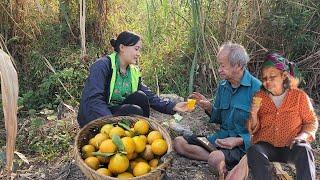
[(191, 103), (257, 101)]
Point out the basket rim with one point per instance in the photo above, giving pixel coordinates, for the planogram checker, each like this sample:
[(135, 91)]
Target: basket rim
[(159, 169)]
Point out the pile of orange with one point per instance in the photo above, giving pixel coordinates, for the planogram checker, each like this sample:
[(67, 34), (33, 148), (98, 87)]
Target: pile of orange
[(125, 151)]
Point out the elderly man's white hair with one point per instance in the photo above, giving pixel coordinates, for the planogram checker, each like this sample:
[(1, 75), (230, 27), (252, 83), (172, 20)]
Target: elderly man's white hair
[(237, 54)]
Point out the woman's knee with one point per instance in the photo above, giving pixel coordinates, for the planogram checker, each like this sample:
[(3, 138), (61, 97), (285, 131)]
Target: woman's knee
[(129, 109), (302, 151), (141, 95), (301, 147)]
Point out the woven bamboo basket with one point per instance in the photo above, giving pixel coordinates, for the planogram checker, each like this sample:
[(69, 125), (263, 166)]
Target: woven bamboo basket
[(92, 128)]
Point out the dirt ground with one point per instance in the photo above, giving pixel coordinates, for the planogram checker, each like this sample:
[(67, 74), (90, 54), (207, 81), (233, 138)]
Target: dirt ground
[(64, 167)]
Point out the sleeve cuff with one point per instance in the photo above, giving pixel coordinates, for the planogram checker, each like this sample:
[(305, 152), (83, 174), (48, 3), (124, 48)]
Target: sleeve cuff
[(170, 108), (311, 129), (246, 140), (212, 138), (215, 116)]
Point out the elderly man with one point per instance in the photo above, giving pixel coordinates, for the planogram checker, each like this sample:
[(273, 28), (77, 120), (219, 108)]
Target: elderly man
[(230, 110)]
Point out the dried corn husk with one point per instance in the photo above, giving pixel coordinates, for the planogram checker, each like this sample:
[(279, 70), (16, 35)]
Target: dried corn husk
[(9, 89)]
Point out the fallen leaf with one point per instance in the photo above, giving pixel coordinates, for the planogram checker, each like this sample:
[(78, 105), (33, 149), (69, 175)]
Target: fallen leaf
[(22, 157)]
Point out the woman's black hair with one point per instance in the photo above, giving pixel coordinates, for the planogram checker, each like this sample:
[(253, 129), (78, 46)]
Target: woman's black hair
[(125, 38)]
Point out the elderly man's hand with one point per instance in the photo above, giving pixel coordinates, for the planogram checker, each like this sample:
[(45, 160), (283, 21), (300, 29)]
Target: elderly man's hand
[(229, 143), (203, 102)]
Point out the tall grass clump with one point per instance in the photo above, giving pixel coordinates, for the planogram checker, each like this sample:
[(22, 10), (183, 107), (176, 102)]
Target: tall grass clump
[(180, 41)]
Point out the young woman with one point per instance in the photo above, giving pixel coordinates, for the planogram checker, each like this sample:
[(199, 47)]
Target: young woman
[(282, 122), (114, 85)]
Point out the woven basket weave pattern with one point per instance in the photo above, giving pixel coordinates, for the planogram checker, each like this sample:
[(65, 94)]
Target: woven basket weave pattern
[(92, 128)]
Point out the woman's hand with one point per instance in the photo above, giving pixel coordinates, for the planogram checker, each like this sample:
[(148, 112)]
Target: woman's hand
[(203, 102), (182, 107), (255, 106), (301, 138)]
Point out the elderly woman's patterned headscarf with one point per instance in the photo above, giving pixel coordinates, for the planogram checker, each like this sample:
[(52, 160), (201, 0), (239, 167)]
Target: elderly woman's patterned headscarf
[(281, 63)]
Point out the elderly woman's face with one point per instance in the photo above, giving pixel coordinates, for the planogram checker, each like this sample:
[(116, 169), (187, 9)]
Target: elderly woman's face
[(272, 80)]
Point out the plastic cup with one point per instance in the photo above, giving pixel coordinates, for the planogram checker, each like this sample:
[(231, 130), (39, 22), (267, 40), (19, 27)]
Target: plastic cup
[(191, 103)]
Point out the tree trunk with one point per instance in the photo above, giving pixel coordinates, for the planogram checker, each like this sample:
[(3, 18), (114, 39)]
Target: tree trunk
[(83, 27), (101, 19)]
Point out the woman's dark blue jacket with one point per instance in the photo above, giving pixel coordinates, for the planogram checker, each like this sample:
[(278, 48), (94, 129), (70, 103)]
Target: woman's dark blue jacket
[(95, 94)]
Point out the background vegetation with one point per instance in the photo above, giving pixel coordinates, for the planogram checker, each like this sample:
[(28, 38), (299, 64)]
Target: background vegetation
[(180, 42)]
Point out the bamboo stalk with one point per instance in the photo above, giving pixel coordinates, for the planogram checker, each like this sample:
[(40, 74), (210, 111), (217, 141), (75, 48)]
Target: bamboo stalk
[(157, 82), (149, 27), (195, 7), (83, 27), (192, 70)]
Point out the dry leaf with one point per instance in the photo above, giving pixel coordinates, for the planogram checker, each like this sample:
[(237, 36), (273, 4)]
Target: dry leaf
[(22, 157)]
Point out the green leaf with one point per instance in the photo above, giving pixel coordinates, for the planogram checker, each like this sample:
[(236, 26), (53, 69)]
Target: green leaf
[(37, 122), (118, 142), (102, 154), (126, 122), (177, 117), (52, 117), (124, 125), (32, 112), (47, 111)]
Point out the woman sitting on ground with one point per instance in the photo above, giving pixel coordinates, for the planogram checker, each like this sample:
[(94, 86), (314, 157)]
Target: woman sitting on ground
[(282, 123), (114, 85)]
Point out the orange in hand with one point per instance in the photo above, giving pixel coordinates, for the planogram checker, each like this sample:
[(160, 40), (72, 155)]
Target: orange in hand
[(257, 101), (191, 103)]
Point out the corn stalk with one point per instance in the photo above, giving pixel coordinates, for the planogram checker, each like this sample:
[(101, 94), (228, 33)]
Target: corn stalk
[(150, 25)]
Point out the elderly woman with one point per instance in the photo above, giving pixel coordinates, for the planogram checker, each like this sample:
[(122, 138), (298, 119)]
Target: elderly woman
[(282, 122)]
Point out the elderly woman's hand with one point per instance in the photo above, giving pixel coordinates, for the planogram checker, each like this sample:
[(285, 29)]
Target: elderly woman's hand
[(301, 138), (255, 106)]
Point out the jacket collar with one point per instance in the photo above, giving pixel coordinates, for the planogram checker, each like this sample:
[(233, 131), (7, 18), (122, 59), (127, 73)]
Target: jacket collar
[(245, 80)]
